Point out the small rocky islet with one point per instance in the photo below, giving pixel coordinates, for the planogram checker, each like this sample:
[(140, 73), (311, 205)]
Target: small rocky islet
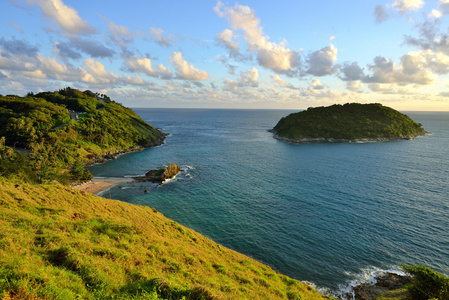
[(351, 122)]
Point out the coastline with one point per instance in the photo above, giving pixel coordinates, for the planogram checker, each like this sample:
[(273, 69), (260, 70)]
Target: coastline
[(359, 140), (98, 185), (113, 154)]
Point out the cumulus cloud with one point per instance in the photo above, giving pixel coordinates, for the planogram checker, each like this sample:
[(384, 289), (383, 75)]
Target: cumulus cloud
[(351, 72), (184, 70), (91, 47), (435, 14), (248, 79), (64, 51), (386, 88), (161, 40), (381, 14), (145, 65), (430, 37), (276, 57), (95, 72), (354, 86), (316, 84), (443, 5), (64, 16), (321, 62), (407, 5), (12, 47), (224, 39), (120, 35), (411, 71)]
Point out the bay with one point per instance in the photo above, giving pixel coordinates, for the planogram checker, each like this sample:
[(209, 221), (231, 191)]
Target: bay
[(328, 213)]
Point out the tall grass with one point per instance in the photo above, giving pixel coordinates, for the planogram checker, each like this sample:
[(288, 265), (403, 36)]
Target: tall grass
[(58, 243)]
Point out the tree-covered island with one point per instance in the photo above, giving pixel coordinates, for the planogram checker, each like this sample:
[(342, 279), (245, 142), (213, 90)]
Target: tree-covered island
[(351, 122)]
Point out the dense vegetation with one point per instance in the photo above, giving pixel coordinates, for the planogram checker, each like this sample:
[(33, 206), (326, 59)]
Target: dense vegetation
[(427, 284), (349, 121), (59, 243), (58, 142)]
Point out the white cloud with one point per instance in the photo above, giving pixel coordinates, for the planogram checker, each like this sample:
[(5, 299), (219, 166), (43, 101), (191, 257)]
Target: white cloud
[(269, 55), (248, 79), (321, 62), (186, 71), (95, 72), (65, 17), (354, 86), (251, 77), (120, 34), (224, 39), (435, 14), (386, 88), (444, 6), (144, 65), (411, 71), (161, 40), (316, 84), (408, 5)]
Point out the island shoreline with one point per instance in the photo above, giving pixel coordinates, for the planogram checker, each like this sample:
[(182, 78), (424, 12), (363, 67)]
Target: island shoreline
[(356, 141)]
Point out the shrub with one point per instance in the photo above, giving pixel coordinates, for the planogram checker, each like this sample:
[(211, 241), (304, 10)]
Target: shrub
[(426, 283)]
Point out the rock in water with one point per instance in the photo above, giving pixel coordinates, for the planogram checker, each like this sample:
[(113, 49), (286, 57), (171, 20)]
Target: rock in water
[(160, 175)]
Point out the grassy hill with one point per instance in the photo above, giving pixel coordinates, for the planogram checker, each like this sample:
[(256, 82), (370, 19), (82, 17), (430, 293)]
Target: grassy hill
[(61, 131), (59, 243), (349, 121)]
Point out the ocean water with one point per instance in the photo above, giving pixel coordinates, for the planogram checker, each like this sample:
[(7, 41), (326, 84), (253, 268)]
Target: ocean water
[(329, 213)]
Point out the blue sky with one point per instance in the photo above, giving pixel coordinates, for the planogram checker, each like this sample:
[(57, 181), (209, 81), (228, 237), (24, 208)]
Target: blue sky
[(226, 54)]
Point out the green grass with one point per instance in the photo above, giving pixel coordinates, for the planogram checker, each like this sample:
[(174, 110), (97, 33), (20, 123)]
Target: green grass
[(59, 243)]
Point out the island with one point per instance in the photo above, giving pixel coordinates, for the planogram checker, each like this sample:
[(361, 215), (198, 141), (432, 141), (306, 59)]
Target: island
[(351, 122)]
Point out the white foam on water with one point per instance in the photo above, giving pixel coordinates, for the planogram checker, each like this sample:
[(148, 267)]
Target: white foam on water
[(365, 276)]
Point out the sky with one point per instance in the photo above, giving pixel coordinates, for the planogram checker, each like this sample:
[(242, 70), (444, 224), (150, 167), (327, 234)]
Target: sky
[(253, 54)]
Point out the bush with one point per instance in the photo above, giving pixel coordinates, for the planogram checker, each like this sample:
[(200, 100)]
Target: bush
[(427, 284)]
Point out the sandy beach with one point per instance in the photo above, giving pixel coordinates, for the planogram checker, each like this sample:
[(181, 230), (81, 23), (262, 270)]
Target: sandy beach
[(98, 185)]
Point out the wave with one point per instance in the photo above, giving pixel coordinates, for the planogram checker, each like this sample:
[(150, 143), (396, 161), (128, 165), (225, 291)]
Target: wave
[(365, 276)]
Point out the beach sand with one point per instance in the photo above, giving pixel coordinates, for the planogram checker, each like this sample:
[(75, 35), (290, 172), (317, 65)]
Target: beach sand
[(98, 185)]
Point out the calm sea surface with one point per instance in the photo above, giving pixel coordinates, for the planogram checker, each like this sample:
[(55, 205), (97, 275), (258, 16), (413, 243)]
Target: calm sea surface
[(327, 213)]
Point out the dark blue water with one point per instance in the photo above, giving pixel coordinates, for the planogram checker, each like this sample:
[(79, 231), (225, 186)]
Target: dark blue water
[(323, 213)]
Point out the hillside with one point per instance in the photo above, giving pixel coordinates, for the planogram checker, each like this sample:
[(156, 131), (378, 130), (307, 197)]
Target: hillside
[(348, 122), (58, 243), (59, 132)]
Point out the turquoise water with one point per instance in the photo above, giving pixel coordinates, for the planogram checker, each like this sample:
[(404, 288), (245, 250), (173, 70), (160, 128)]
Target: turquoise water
[(327, 213)]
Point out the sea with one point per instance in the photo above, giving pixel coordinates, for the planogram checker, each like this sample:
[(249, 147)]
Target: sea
[(329, 214)]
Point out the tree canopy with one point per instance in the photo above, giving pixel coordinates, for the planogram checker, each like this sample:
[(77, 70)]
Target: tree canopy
[(64, 129), (348, 121)]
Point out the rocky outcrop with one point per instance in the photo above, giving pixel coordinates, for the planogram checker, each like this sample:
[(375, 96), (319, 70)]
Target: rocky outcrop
[(384, 283), (160, 175)]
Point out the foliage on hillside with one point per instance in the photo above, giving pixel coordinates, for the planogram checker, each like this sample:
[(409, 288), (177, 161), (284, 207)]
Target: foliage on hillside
[(427, 284), (348, 121), (56, 138), (58, 243)]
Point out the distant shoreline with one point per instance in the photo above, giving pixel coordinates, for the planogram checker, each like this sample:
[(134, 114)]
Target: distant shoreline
[(358, 140)]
